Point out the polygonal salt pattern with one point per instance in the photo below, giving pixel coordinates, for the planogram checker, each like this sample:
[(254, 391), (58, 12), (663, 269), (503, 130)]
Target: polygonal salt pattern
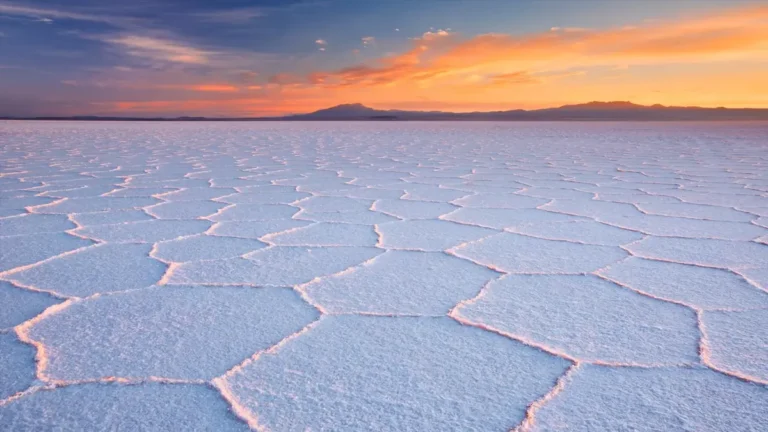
[(19, 251), (254, 212), (692, 228), (506, 218), (648, 242), (696, 211), (710, 253), (401, 282), (265, 195), (428, 235), (196, 194), (145, 407), (514, 253), (326, 234), (411, 386), (594, 209), (738, 343), (700, 287), (757, 276), (255, 229), (501, 201), (111, 217), (98, 204), (407, 209), (184, 209), (555, 193), (360, 218), (81, 192), (432, 193), (587, 318), (17, 367), (204, 247), (587, 232), (140, 191), (645, 400), (174, 332), (101, 268), (761, 221), (21, 203), (274, 266), (34, 224), (334, 204), (144, 231), (18, 305)]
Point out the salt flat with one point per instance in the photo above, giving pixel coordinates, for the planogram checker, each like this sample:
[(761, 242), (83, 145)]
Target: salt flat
[(383, 276)]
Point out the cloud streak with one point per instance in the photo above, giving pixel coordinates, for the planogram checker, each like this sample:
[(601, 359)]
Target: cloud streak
[(44, 14), (444, 56), (159, 49)]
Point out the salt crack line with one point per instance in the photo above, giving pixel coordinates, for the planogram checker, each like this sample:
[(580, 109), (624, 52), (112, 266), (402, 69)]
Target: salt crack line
[(705, 353), (751, 281), (455, 315), (238, 409), (30, 391), (126, 381), (513, 230), (221, 382), (266, 237), (23, 330), (383, 315), (34, 208), (480, 294), (21, 268), (23, 286), (530, 413), (598, 274), (548, 350)]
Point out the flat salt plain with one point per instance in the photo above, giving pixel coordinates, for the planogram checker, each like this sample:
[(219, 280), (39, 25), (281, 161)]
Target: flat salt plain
[(383, 276)]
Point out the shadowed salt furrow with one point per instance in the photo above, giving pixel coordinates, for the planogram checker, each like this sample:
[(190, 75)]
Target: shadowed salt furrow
[(369, 276)]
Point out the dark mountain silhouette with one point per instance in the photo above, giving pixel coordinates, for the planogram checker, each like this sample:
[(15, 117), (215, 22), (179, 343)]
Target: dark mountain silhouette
[(591, 111), (617, 110)]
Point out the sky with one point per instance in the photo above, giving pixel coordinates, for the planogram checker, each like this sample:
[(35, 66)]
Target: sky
[(276, 57)]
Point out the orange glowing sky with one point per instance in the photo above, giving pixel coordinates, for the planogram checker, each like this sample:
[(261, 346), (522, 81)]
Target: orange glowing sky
[(710, 57)]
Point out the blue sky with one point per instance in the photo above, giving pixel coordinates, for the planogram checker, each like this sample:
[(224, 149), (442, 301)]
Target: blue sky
[(77, 56)]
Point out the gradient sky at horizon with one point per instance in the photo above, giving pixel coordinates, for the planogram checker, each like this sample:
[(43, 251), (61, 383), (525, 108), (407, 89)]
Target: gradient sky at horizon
[(271, 57)]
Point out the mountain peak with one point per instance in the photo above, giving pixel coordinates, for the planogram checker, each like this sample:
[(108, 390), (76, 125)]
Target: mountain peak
[(343, 110), (612, 105), (357, 105), (351, 107)]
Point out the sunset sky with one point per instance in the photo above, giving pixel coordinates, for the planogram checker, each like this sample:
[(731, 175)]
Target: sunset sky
[(270, 57)]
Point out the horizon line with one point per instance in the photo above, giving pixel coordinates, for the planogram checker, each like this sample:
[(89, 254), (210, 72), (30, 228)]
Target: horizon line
[(619, 106)]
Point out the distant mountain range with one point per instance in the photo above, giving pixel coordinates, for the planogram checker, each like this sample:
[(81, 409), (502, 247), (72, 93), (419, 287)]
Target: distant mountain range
[(592, 111)]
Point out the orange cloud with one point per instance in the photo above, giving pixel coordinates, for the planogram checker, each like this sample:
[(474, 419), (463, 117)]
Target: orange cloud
[(741, 34), (213, 88)]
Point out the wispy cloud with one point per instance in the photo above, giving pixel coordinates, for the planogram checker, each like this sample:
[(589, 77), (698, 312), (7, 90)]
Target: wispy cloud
[(232, 16), (133, 36), (159, 49), (321, 43), (47, 15), (368, 40), (434, 34)]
